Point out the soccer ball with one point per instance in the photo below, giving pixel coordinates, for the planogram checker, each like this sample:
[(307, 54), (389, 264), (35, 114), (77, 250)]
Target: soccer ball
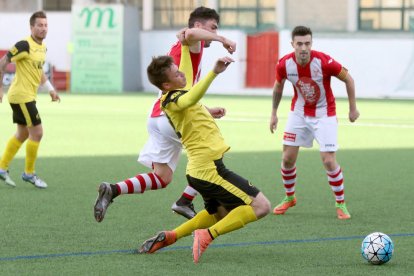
[(377, 248)]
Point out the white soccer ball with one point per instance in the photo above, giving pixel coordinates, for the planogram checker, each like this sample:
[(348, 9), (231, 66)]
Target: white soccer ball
[(377, 248)]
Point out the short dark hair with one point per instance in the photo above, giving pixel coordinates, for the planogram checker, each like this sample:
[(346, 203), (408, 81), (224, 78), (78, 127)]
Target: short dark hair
[(38, 14), (157, 68), (202, 14), (301, 31)]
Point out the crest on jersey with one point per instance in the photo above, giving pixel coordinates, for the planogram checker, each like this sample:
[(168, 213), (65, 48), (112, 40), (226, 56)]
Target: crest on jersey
[(309, 90)]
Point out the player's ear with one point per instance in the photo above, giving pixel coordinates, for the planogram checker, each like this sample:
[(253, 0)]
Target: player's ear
[(197, 24), (166, 86)]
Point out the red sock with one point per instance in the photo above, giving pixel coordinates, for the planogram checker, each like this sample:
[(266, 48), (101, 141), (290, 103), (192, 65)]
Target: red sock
[(289, 180), (336, 181), (189, 193), (139, 183)]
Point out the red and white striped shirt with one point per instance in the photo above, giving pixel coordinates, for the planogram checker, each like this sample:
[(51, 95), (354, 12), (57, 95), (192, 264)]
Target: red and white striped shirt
[(175, 53), (313, 95)]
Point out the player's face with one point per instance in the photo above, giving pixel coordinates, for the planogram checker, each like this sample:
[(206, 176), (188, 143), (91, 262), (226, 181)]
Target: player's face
[(302, 46), (176, 79), (39, 29), (211, 26)]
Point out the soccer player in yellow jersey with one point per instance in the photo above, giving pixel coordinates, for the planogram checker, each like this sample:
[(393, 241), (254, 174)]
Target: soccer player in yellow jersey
[(230, 200), (29, 55)]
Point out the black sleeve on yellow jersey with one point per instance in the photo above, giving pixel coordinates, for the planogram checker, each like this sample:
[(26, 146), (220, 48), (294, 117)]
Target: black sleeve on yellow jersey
[(173, 96), (19, 47)]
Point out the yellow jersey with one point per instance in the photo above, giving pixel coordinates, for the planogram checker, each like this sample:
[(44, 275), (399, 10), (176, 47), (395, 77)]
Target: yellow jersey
[(191, 121), (29, 57)]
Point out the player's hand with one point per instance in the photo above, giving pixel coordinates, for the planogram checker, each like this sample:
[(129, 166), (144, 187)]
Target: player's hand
[(353, 115), (55, 96), (1, 94), (221, 64), (229, 45), (273, 123), (181, 36), (217, 112)]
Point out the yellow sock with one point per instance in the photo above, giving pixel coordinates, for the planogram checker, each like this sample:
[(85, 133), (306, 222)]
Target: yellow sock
[(12, 147), (234, 220), (201, 221), (31, 156)]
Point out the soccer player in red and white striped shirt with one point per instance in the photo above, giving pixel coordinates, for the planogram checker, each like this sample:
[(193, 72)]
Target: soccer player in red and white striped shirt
[(312, 114), (163, 149)]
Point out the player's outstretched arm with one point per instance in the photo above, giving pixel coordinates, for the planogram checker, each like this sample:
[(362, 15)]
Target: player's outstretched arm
[(192, 36), (197, 91), (222, 64), (216, 112)]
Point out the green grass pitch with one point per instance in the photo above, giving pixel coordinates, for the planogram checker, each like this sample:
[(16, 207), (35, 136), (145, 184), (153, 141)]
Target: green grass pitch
[(93, 138)]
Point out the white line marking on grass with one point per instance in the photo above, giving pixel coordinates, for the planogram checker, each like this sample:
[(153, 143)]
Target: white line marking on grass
[(173, 248), (377, 125)]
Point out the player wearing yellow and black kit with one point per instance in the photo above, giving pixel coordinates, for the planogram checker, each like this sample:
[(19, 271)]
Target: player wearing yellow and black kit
[(29, 56), (230, 200)]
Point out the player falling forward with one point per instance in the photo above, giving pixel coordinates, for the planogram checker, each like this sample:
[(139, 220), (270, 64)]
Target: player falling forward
[(312, 115), (230, 201), (163, 148)]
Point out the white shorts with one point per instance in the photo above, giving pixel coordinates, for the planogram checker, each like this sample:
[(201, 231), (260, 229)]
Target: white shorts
[(302, 130), (162, 146)]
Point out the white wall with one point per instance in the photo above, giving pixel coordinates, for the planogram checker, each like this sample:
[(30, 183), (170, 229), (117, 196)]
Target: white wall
[(377, 62)]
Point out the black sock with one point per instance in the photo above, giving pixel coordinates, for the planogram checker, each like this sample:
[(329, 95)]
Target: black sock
[(115, 192), (183, 201)]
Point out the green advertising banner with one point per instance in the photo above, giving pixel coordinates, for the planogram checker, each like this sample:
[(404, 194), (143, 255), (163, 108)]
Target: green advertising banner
[(97, 48)]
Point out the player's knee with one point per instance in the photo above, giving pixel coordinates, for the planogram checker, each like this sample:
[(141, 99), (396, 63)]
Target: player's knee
[(329, 163), (288, 163), (164, 172), (36, 135), (22, 136)]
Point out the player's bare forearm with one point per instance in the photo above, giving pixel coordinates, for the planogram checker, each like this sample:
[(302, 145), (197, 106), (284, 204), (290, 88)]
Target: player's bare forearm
[(195, 35), (350, 90), (277, 95), (276, 98), (197, 91), (43, 79), (216, 112)]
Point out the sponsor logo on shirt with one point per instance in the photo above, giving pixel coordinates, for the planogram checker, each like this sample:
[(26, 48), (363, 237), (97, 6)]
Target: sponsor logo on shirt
[(287, 136)]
